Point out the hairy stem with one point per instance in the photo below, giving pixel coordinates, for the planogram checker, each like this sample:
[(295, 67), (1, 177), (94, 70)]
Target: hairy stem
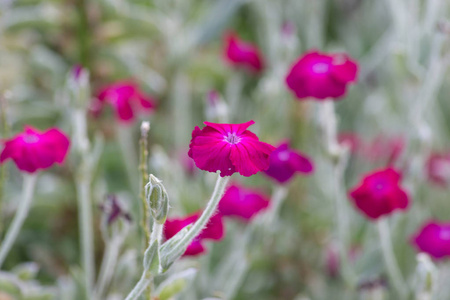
[(108, 265), (86, 229), (389, 258), (209, 211), (21, 214), (338, 157), (139, 287), (143, 168)]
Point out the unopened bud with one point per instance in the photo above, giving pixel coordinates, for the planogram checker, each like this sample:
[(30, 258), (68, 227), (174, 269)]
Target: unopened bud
[(157, 199)]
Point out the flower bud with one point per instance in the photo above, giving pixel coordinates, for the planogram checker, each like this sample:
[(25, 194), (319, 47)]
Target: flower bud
[(157, 199)]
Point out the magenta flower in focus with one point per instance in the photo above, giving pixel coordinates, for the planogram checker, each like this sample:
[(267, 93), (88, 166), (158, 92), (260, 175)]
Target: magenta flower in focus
[(285, 162), (213, 231), (438, 168), (126, 99), (229, 148), (321, 75), (242, 54), (242, 202), (32, 150), (433, 238), (380, 194)]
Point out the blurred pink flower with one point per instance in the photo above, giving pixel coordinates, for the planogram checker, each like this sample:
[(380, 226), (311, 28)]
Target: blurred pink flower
[(242, 54), (352, 140), (385, 148), (380, 194), (213, 231), (285, 162), (242, 202), (32, 150), (321, 75), (229, 148), (187, 163), (438, 168), (433, 238), (126, 98)]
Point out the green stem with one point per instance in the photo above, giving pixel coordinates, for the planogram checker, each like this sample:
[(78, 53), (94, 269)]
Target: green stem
[(4, 134), (210, 209), (143, 145), (108, 264), (140, 286), (127, 147), (389, 258), (86, 229), (19, 218), (83, 33), (338, 157)]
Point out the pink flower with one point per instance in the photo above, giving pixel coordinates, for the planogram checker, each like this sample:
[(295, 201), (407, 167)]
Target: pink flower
[(433, 238), (213, 231), (126, 99), (229, 148), (438, 168), (321, 75), (242, 54), (285, 162), (380, 194), (243, 203), (32, 150)]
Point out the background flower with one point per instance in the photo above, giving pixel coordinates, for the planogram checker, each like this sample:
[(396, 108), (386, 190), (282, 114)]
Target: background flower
[(126, 99), (32, 150), (321, 75), (379, 194), (213, 231), (433, 238), (285, 162), (242, 54), (243, 203)]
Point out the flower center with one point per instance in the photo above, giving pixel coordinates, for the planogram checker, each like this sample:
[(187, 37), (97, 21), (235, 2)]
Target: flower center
[(232, 138), (320, 68), (30, 138)]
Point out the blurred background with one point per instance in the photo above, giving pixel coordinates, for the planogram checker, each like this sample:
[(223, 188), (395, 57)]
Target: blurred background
[(396, 114)]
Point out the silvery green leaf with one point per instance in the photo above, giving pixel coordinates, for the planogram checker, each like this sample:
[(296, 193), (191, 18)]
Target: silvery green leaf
[(169, 251)]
